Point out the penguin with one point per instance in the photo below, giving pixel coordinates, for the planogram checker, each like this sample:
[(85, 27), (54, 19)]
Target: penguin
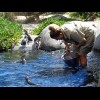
[(23, 60), (37, 42), (28, 36), (24, 41), (31, 83)]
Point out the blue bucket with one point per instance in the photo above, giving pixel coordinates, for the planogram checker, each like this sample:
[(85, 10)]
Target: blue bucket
[(71, 60)]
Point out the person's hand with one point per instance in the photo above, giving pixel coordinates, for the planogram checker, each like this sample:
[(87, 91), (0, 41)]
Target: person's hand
[(67, 52)]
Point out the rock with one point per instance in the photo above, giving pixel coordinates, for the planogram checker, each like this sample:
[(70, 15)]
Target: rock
[(49, 44), (96, 47)]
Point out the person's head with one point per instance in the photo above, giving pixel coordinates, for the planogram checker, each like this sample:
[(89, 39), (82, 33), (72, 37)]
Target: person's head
[(56, 32)]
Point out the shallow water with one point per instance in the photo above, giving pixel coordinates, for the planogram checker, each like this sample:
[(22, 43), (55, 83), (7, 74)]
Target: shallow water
[(45, 69)]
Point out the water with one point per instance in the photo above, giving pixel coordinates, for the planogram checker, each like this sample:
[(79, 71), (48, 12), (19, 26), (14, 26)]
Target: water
[(45, 69)]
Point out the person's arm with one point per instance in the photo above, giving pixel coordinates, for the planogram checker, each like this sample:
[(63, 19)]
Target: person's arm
[(81, 43), (77, 38), (67, 48)]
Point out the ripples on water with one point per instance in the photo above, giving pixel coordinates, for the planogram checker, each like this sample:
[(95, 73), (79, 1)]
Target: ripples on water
[(44, 68)]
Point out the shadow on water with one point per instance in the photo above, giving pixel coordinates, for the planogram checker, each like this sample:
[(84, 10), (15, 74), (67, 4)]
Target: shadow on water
[(42, 68)]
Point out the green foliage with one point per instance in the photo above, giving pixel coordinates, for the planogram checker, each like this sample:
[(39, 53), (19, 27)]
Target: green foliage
[(46, 22), (10, 33), (8, 15), (83, 15), (98, 14)]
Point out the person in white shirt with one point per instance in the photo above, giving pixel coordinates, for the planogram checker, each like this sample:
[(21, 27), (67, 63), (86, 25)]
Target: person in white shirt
[(81, 34)]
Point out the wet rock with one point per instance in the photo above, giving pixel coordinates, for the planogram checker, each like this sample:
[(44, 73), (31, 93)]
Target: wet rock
[(49, 44)]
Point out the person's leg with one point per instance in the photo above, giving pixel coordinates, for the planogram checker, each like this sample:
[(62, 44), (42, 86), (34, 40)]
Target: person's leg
[(84, 50), (83, 56), (83, 60)]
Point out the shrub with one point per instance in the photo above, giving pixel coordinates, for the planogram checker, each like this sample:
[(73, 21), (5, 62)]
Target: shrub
[(80, 15), (84, 15), (10, 33)]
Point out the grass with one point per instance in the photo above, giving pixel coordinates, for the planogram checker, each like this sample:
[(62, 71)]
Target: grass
[(45, 22)]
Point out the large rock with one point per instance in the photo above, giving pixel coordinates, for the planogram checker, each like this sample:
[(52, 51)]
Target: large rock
[(96, 47), (49, 44)]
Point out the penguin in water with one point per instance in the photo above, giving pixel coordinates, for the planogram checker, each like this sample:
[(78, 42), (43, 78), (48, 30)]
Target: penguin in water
[(26, 39), (31, 83), (23, 56), (23, 60)]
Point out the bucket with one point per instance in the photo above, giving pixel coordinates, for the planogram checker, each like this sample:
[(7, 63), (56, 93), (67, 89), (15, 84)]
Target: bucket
[(72, 59), (72, 62)]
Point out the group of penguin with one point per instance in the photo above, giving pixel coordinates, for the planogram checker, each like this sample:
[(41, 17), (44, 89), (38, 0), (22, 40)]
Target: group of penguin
[(27, 38)]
